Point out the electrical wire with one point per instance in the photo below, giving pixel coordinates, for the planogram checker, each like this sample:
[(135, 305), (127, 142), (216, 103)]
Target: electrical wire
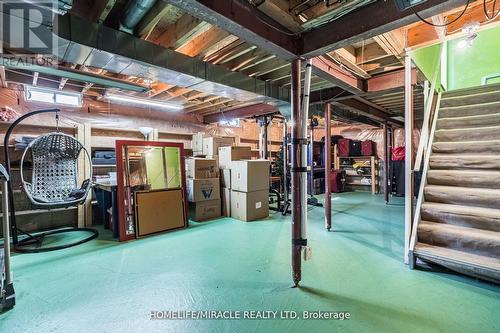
[(445, 24), (494, 16)]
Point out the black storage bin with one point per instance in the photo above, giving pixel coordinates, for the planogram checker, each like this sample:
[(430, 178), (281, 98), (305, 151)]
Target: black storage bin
[(355, 148)]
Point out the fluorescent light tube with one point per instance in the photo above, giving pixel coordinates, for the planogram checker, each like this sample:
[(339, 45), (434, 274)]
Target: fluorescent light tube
[(142, 101)]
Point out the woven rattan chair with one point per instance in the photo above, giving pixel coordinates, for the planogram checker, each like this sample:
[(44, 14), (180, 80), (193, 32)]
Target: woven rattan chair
[(54, 177)]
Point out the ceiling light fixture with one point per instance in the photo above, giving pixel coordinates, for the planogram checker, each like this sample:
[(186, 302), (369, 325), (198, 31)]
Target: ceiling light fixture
[(470, 30), (142, 101)]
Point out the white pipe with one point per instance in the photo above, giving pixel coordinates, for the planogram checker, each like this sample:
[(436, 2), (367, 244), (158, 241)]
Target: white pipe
[(408, 156), (305, 117)]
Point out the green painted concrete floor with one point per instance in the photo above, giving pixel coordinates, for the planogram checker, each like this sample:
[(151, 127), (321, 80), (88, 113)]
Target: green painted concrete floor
[(225, 264)]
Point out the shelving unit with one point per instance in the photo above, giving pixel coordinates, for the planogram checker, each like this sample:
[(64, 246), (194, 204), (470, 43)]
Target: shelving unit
[(355, 180)]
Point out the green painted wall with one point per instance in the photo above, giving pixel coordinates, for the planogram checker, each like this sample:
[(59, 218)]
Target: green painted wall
[(428, 60), (155, 169), (467, 66), (173, 162)]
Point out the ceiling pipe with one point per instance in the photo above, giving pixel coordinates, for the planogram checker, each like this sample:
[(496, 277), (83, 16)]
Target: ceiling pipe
[(134, 13)]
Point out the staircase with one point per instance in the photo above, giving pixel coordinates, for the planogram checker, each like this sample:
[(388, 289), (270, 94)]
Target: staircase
[(459, 225)]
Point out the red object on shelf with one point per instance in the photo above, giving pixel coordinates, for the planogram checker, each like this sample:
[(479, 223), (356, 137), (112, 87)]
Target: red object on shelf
[(398, 153), (343, 147), (336, 181), (367, 148)]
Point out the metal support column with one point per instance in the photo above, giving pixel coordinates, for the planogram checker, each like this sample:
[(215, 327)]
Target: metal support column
[(408, 156), (285, 167), (7, 293), (328, 166), (299, 174), (263, 122), (386, 162)]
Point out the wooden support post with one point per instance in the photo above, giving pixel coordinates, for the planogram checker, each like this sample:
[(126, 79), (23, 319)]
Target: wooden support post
[(373, 168), (328, 167), (386, 163), (299, 174), (408, 156)]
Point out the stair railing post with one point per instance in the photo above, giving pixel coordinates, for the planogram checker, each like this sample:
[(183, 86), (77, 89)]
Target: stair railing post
[(408, 155)]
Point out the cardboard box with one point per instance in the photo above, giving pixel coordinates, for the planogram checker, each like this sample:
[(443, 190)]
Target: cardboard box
[(197, 142), (250, 175), (229, 154), (211, 145), (201, 168), (204, 210), (250, 206), (203, 189), (225, 178), (226, 202)]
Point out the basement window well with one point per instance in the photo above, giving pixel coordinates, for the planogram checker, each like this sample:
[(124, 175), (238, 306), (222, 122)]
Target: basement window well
[(35, 94)]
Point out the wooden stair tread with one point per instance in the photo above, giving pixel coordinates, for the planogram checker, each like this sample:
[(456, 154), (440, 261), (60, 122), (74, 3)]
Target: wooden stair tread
[(466, 147), (465, 161), (465, 178), (480, 97), (460, 257), (461, 209), (470, 240), (471, 90), (462, 190), (469, 110), (459, 230), (470, 121), (462, 215)]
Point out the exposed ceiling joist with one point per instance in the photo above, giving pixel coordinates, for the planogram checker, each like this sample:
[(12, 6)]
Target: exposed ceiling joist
[(420, 35), (242, 112), (348, 58), (242, 19), (332, 72), (389, 80), (153, 17), (186, 25), (197, 45), (366, 110), (368, 21)]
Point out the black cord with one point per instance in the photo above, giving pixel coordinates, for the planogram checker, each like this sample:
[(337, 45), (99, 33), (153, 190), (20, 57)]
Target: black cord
[(442, 25), (493, 16)]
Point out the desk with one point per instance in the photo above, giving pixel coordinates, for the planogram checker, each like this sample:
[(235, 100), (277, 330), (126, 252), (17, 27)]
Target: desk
[(107, 197)]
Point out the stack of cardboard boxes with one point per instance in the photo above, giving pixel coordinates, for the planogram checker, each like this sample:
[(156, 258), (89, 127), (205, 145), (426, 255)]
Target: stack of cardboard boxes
[(250, 189), (243, 187), (203, 188), (208, 146), (226, 156)]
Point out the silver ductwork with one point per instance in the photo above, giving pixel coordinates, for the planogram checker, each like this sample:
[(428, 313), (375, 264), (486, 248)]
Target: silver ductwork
[(79, 41), (134, 12), (87, 43)]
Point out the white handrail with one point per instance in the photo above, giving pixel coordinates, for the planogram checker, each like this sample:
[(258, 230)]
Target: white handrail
[(423, 183), (424, 134)]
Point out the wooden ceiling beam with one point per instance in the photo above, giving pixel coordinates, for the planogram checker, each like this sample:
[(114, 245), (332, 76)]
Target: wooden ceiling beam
[(421, 34), (377, 18), (240, 113), (242, 19), (348, 59), (203, 41), (266, 67), (230, 39), (185, 25), (333, 73), (159, 10)]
